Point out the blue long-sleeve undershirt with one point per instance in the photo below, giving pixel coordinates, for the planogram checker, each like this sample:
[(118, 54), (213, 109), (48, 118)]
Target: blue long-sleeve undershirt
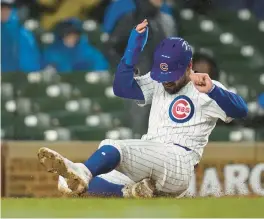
[(232, 104), (124, 83)]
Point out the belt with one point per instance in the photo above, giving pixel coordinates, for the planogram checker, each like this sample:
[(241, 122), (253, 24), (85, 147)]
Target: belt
[(187, 149)]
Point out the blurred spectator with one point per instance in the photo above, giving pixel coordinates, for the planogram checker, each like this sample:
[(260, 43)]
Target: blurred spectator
[(261, 100), (71, 50), (53, 11), (204, 63), (167, 7), (121, 17), (28, 9), (19, 49), (97, 12), (115, 11), (119, 8), (167, 18)]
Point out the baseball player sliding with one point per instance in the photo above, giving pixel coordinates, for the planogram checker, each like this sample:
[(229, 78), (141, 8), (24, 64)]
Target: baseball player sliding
[(185, 107)]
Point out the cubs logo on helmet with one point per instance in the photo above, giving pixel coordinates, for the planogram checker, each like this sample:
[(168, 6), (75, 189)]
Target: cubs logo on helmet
[(181, 109), (164, 66)]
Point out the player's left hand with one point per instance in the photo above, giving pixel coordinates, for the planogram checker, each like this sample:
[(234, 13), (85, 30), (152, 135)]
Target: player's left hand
[(202, 82)]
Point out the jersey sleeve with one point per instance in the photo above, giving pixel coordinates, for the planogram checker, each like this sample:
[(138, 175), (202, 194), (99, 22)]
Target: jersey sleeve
[(214, 110), (146, 84)]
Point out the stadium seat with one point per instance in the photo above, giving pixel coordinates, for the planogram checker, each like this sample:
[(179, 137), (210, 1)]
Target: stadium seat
[(85, 134), (7, 133), (202, 39), (90, 90), (21, 106), (119, 133), (189, 22), (7, 91), (14, 78), (37, 90), (48, 104), (228, 53), (67, 119), (26, 133), (33, 90), (238, 22), (74, 79), (60, 104), (9, 106), (220, 133), (7, 118), (260, 135), (57, 134), (239, 77), (120, 118), (86, 78), (93, 30), (104, 104), (18, 130)]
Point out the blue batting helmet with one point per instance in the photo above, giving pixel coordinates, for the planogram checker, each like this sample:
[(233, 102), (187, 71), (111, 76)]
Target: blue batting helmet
[(171, 59)]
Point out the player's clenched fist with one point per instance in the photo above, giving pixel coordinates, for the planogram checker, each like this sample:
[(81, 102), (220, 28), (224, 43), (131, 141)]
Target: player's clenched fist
[(141, 28), (202, 82)]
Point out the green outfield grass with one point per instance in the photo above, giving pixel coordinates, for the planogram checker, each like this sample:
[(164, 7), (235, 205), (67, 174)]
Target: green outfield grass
[(93, 207)]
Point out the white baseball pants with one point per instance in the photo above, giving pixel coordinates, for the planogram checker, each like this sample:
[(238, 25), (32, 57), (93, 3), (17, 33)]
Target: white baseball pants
[(171, 166)]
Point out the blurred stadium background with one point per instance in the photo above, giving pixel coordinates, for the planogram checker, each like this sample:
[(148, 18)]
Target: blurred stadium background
[(58, 58)]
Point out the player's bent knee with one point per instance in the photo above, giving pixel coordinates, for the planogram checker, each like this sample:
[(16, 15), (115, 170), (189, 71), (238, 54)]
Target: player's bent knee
[(102, 143), (109, 142)]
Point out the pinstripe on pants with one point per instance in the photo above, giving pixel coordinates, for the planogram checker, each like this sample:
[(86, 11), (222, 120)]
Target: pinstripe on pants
[(169, 165)]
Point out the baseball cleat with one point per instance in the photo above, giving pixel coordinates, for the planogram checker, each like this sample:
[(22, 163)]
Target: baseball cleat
[(77, 176), (143, 189), (64, 188)]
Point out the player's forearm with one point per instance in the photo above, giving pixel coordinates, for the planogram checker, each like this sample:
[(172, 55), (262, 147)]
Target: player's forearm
[(135, 45), (124, 83), (232, 104)]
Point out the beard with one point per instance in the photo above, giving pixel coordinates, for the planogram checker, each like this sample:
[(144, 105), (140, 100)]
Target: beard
[(173, 90), (175, 87)]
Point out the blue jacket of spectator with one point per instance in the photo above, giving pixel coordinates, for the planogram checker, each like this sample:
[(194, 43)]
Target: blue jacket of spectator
[(261, 100), (115, 11), (82, 57), (121, 7), (166, 8), (19, 49)]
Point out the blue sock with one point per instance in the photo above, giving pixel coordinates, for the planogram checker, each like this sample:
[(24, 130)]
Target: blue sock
[(101, 187), (104, 160)]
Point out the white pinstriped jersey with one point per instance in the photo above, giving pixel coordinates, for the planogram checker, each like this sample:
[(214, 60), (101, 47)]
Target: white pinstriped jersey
[(186, 118)]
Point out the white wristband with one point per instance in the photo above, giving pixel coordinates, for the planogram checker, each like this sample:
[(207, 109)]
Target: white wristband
[(213, 87)]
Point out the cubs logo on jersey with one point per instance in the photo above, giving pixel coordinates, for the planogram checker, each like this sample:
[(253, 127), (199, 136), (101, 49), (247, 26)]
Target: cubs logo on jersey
[(181, 109)]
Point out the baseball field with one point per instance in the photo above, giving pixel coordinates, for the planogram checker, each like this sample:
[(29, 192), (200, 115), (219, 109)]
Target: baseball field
[(94, 207)]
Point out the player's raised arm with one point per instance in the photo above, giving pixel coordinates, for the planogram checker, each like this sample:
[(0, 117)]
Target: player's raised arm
[(232, 104), (124, 83)]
